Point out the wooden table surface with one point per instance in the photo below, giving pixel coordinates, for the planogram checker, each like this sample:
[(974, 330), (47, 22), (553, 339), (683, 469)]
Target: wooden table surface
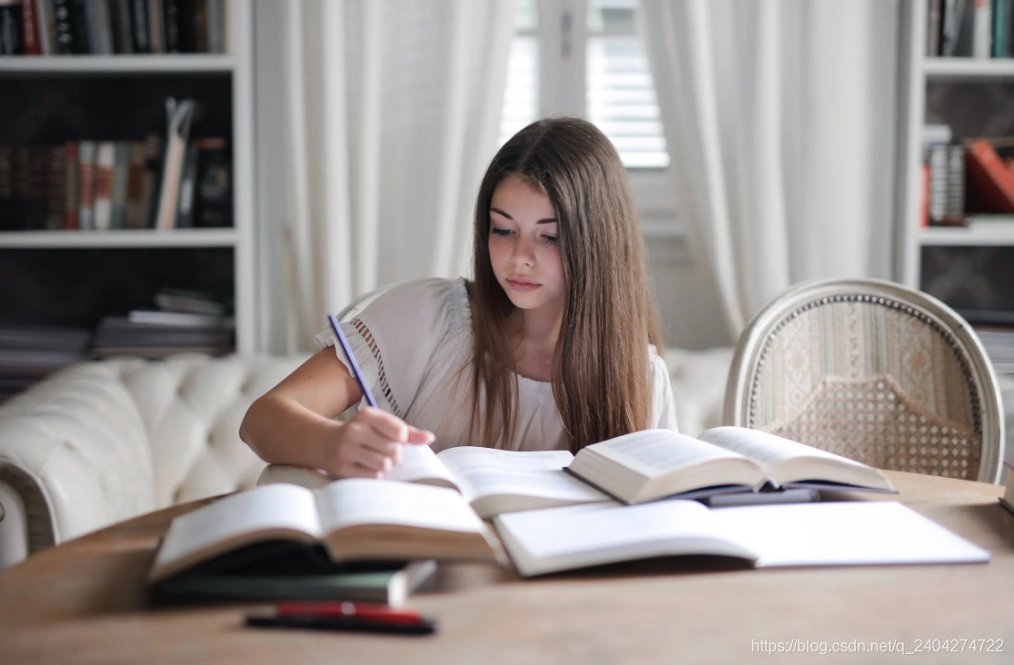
[(84, 602)]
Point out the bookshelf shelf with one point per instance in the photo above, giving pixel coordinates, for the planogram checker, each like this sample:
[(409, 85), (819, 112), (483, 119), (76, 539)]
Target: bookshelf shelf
[(118, 64), (997, 234), (116, 239), (942, 69)]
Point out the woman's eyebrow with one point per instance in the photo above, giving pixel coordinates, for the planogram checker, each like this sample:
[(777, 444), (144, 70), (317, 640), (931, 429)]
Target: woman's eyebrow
[(501, 212), (548, 220)]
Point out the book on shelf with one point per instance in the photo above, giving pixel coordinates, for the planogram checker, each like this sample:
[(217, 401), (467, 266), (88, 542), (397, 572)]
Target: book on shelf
[(106, 27), (72, 185), (815, 534), (183, 300), (353, 520), (87, 154), (179, 116), (105, 157), (651, 464), (990, 182), (279, 571), (492, 481)]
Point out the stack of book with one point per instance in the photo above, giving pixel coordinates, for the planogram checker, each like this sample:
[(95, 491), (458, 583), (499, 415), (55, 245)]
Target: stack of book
[(970, 28), (107, 27), (165, 183), (28, 353), (180, 322)]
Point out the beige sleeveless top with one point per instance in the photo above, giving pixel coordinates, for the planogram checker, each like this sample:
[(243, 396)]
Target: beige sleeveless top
[(411, 343)]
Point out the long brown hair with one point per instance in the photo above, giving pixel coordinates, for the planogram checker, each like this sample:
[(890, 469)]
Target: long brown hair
[(601, 370)]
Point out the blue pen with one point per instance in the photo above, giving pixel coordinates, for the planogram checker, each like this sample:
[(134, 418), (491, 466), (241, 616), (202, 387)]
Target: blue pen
[(356, 372)]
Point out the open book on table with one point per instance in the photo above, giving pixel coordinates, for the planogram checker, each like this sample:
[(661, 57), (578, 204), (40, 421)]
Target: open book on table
[(651, 464), (354, 520), (492, 481), (811, 534)]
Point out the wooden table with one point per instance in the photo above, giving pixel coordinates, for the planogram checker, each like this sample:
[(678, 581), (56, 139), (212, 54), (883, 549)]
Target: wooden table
[(83, 602)]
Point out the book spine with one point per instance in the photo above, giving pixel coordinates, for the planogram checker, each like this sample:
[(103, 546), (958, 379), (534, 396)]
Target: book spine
[(216, 26), (44, 18), (950, 14), (86, 184), (30, 28), (55, 182), (139, 26), (982, 39), (998, 49), (151, 179), (122, 30), (7, 213), (135, 174), (156, 32), (11, 29), (63, 27), (933, 29), (171, 25), (80, 26), (121, 167), (72, 184), (104, 161), (938, 183), (201, 26), (955, 213), (925, 179), (1008, 22)]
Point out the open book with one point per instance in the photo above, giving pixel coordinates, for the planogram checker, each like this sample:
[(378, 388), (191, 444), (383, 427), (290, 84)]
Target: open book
[(353, 519), (810, 534), (652, 464), (492, 481)]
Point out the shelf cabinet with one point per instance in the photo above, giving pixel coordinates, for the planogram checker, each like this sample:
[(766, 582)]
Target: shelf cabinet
[(966, 266), (65, 277)]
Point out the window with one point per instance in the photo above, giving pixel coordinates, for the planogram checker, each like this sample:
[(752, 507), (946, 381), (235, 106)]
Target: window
[(586, 58)]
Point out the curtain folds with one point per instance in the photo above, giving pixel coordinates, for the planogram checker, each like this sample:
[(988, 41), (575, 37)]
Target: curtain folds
[(780, 118), (375, 121)]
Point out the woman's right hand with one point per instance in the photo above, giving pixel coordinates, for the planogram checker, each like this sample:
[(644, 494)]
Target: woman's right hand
[(369, 444)]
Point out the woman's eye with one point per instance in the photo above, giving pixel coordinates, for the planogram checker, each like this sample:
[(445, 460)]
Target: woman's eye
[(500, 232), (550, 239)]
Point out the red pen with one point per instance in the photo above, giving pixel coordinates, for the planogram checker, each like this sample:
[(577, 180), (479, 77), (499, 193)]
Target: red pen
[(342, 615)]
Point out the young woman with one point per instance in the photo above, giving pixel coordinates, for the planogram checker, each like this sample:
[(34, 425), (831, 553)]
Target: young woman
[(553, 345)]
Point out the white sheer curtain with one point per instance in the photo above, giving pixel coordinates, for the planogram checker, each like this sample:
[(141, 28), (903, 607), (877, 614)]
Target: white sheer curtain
[(779, 115), (375, 121)]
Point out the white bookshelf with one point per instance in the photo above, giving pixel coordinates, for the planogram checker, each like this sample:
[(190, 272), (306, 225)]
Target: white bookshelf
[(917, 72), (237, 64)]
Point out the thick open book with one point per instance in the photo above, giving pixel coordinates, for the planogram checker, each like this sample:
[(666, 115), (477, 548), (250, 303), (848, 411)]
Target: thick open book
[(651, 464), (353, 519), (809, 534), (492, 481)]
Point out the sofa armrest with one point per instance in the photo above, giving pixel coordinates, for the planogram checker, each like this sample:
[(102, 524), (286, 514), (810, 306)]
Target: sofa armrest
[(74, 457)]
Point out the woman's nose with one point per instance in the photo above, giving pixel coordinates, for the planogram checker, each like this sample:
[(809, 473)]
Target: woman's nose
[(524, 253)]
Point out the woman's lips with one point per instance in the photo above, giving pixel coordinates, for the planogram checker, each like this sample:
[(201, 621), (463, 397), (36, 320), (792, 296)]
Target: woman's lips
[(520, 285)]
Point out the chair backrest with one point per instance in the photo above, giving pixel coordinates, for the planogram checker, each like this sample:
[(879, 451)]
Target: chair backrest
[(873, 371)]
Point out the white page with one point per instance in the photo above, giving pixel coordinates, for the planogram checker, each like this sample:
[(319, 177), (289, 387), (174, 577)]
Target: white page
[(488, 471), (655, 452), (766, 449), (420, 464), (276, 507), (844, 533), (358, 501), (542, 541)]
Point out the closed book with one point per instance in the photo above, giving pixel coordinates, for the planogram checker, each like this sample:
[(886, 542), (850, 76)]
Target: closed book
[(100, 27), (1001, 28), (179, 118), (188, 188), (104, 161), (8, 216), (11, 30), (171, 25), (30, 28), (72, 186), (215, 20), (213, 207), (81, 27), (87, 152), (151, 178), (156, 30), (990, 183), (123, 39), (30, 168), (982, 37), (279, 576), (933, 28)]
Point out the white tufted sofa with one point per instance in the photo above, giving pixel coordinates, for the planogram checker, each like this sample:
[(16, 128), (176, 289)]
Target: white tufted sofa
[(101, 442)]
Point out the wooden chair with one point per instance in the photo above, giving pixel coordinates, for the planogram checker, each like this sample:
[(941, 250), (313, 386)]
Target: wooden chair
[(873, 371)]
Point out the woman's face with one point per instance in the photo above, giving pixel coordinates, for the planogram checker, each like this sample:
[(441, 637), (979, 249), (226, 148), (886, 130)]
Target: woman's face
[(523, 246)]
